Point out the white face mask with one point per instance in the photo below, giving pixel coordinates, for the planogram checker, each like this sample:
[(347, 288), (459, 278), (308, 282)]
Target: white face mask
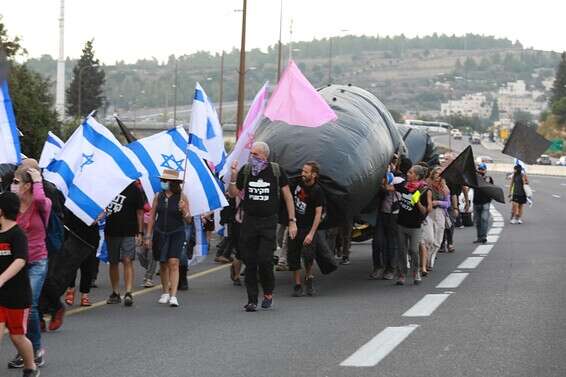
[(15, 188)]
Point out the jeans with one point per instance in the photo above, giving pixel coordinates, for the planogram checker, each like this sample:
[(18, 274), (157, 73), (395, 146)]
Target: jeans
[(481, 217), (37, 271), (385, 242)]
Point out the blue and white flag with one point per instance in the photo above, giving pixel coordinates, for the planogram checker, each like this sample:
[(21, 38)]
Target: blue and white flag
[(200, 251), (206, 138), (168, 150), (10, 152), (51, 149), (516, 162), (91, 169), (164, 150)]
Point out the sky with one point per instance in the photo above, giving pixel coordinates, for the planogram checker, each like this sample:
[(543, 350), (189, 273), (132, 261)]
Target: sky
[(132, 29)]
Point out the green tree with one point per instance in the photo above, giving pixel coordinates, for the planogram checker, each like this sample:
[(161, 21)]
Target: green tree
[(559, 110), (494, 116), (31, 97), (86, 92), (559, 88)]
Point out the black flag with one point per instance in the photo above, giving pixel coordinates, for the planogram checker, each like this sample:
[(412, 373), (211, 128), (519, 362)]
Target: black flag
[(462, 171), (127, 133), (525, 143)]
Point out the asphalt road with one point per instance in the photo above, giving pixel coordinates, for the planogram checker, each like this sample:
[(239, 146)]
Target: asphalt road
[(506, 318)]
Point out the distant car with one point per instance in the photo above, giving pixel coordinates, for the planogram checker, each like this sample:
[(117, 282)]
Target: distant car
[(561, 161), (456, 134), (475, 138), (544, 159), (484, 159)]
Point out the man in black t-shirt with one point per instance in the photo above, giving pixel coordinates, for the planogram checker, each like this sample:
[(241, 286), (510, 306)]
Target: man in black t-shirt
[(482, 203), (124, 229), (309, 200), (261, 184), (15, 289)]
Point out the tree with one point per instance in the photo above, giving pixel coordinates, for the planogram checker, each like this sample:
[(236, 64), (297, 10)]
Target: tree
[(31, 97), (87, 85), (559, 87), (559, 110), (494, 116)]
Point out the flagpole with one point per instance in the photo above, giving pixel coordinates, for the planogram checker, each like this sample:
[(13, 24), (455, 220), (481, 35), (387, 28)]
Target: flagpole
[(242, 73), (280, 47)]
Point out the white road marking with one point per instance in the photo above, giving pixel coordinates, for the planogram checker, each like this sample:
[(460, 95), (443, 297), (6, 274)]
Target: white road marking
[(453, 280), (556, 196), (498, 224), (371, 353), (497, 218), (492, 239), (426, 306), (470, 262), (494, 231), (483, 249)]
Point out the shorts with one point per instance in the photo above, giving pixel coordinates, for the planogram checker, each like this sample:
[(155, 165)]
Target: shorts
[(16, 320), (520, 199), (168, 245), (296, 250), (120, 248)]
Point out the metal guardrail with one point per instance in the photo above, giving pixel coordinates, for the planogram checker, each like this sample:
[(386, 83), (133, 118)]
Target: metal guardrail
[(556, 171)]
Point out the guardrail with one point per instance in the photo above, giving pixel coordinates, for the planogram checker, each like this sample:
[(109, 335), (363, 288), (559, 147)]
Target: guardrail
[(557, 171)]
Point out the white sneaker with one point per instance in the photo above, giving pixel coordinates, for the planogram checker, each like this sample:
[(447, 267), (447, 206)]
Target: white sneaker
[(164, 299), (513, 221), (173, 302), (519, 221)]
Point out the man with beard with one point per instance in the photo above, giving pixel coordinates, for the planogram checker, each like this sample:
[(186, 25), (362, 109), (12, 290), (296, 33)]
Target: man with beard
[(261, 184), (309, 199)]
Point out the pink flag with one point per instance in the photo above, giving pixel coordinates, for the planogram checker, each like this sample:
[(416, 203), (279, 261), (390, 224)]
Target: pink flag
[(296, 102)]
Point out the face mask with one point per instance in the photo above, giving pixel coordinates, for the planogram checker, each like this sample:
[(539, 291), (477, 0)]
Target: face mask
[(165, 186), (15, 188), (257, 164)]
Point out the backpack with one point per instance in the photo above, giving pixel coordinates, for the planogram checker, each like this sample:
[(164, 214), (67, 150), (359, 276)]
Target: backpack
[(54, 227), (275, 168)]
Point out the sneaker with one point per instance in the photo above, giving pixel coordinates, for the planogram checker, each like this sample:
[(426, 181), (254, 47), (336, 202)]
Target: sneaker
[(298, 291), (31, 372), (148, 283), (309, 285), (39, 358), (388, 276), (267, 302), (478, 240), (250, 307), (173, 302), (345, 261), (70, 296), (483, 240), (17, 362), (377, 274), (164, 299), (57, 319), (417, 278), (128, 299), (114, 298), (400, 280), (85, 300), (281, 267), (513, 221), (237, 282), (519, 221)]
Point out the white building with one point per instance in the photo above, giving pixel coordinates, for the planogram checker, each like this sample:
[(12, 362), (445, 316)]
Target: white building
[(469, 105), (516, 97)]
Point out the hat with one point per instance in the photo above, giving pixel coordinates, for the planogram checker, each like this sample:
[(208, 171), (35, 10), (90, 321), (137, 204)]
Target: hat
[(170, 175), (482, 166)]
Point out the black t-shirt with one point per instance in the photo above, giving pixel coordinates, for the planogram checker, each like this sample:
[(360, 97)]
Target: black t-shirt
[(122, 213), (479, 196), (261, 198), (409, 215), (16, 293), (307, 199)]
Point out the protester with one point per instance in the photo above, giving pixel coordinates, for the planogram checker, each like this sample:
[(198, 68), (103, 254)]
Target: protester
[(517, 194), (15, 288), (123, 231), (35, 209), (344, 241), (169, 213), (415, 204), (309, 199), (88, 270), (145, 255), (481, 206), (262, 183), (439, 215)]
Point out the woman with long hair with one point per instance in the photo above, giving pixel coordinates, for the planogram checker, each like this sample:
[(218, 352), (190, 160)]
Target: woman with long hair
[(33, 219), (166, 233), (517, 194), (439, 215)]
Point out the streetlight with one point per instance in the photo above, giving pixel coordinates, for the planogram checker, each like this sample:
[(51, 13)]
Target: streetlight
[(81, 84), (175, 97), (280, 46), (242, 72), (221, 88)]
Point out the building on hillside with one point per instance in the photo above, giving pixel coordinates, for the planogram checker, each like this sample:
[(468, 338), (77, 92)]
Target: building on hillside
[(469, 105), (515, 96)]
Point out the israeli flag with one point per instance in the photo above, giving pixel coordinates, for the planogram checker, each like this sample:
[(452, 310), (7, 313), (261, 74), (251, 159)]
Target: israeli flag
[(10, 152), (91, 169), (206, 138), (169, 150), (200, 251), (164, 150), (51, 149)]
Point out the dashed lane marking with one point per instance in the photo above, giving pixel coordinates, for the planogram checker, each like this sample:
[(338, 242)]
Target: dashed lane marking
[(483, 249), (470, 263), (492, 239), (453, 280), (494, 231), (498, 224), (371, 353), (426, 306)]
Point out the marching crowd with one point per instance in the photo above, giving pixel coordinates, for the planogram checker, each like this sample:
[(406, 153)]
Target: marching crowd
[(43, 245)]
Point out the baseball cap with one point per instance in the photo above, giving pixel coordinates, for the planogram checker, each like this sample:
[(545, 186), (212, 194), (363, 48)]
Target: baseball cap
[(482, 166)]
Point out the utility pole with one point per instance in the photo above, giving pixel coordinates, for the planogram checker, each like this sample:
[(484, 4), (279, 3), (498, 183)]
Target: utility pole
[(175, 97), (60, 88), (280, 46), (291, 40), (221, 88), (242, 72), (330, 61)]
